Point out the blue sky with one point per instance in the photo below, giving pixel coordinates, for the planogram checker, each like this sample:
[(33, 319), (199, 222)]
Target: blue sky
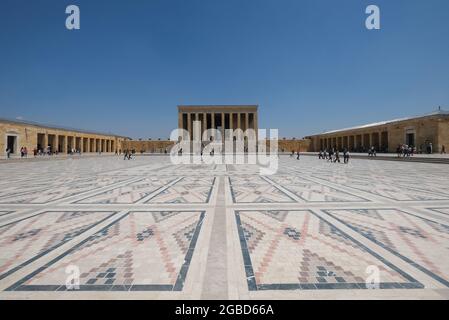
[(310, 65)]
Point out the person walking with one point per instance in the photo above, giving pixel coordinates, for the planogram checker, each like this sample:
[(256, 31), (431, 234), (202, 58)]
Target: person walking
[(8, 153), (443, 150), (346, 156), (297, 158), (337, 156)]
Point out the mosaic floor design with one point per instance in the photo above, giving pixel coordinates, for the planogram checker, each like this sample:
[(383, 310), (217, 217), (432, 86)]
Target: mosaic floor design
[(313, 192), (148, 229), (187, 190), (130, 193), (4, 213), (441, 210), (119, 256), (422, 242), (299, 250), (256, 190), (33, 237)]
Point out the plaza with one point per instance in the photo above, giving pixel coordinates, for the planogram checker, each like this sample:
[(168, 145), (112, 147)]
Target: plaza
[(148, 229)]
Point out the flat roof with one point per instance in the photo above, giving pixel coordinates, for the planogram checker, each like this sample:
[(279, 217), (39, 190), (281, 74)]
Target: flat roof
[(381, 123), (218, 106), (51, 126)]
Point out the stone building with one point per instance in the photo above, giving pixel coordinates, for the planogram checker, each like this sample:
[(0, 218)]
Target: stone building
[(218, 117), (420, 132), (15, 134)]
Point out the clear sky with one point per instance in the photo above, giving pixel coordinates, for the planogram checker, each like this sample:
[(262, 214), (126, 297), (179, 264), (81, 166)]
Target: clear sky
[(311, 65)]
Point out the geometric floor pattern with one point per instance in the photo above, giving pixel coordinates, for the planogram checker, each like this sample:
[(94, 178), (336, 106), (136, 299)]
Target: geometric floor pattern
[(149, 229)]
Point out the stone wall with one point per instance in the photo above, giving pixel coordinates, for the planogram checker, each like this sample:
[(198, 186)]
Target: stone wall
[(386, 137), (61, 140)]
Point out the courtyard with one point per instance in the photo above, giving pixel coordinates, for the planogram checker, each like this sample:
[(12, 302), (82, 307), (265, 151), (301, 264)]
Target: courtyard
[(148, 229)]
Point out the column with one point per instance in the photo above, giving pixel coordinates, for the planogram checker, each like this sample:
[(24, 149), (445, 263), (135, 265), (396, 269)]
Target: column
[(204, 124), (189, 125), (239, 121), (256, 125), (223, 127), (57, 142), (246, 121), (212, 121), (231, 124), (45, 141)]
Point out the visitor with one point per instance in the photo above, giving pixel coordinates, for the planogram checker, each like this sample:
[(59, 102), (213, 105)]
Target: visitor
[(297, 158), (126, 155), (346, 156), (443, 150), (25, 152), (320, 155), (22, 153), (293, 153), (8, 152), (337, 156)]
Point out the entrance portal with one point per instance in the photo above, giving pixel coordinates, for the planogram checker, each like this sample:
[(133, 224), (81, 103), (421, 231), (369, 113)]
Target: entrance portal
[(410, 139), (12, 143)]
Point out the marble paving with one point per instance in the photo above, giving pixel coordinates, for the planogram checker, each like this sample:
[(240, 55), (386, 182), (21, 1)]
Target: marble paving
[(108, 228)]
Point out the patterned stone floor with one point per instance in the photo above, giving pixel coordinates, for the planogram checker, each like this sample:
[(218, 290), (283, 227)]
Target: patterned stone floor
[(146, 229)]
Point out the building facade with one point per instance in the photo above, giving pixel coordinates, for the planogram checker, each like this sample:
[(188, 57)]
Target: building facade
[(218, 117), (15, 134), (420, 132)]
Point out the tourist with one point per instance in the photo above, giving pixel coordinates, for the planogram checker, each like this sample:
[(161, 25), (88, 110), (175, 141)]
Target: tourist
[(8, 152), (25, 152), (320, 155), (331, 154), (297, 158), (346, 156), (293, 153), (337, 156), (443, 149), (22, 153)]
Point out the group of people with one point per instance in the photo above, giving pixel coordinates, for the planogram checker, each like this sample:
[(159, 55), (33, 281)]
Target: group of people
[(405, 150), (128, 154), (293, 154), (333, 155), (23, 152)]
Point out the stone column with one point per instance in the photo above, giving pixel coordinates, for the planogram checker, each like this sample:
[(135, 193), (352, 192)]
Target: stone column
[(45, 141), (204, 124), (81, 144), (223, 127), (212, 121), (239, 121), (256, 125), (189, 125), (57, 142), (246, 121)]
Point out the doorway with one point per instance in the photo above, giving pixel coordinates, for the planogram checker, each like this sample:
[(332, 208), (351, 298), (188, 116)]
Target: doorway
[(11, 144), (410, 139)]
